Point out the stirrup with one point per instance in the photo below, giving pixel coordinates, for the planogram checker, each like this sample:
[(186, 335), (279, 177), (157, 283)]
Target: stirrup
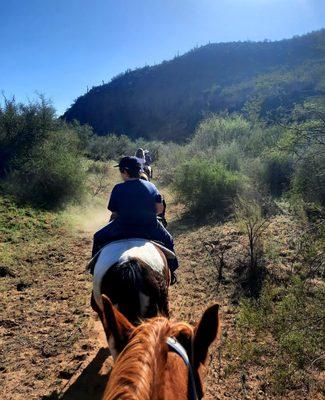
[(173, 278)]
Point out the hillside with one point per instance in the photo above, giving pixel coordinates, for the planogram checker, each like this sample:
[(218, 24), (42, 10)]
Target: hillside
[(166, 101)]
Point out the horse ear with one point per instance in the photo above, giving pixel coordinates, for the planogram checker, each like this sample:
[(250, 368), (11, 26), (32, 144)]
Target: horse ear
[(205, 333), (116, 324)]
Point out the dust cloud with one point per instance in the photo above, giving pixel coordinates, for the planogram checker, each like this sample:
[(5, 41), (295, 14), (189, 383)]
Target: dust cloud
[(89, 218)]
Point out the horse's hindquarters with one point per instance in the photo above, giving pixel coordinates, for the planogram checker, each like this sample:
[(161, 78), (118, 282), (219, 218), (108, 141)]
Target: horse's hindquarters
[(134, 275), (137, 290)]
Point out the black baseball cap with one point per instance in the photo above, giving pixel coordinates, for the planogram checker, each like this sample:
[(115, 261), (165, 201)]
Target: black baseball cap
[(129, 164)]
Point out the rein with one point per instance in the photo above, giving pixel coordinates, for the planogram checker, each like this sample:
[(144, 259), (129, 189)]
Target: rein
[(177, 348)]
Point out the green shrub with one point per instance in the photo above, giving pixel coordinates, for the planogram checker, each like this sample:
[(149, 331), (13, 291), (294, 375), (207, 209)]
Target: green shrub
[(51, 174), (98, 177), (270, 174), (85, 134), (40, 155), (97, 167), (21, 127), (309, 178), (292, 318), (170, 156), (230, 155), (110, 147), (206, 187), (217, 129), (276, 174), (249, 216), (261, 139)]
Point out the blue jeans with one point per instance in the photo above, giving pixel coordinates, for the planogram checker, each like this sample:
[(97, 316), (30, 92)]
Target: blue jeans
[(116, 230)]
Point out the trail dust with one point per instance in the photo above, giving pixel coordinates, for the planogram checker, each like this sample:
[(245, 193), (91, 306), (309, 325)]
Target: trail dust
[(93, 214), (88, 218)]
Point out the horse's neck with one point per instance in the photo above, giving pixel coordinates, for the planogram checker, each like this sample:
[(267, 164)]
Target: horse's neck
[(140, 369), (176, 378)]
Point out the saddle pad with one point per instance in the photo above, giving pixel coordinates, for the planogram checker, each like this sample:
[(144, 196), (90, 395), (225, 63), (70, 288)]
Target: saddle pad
[(121, 251)]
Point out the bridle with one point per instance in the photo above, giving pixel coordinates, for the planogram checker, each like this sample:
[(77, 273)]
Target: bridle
[(177, 348)]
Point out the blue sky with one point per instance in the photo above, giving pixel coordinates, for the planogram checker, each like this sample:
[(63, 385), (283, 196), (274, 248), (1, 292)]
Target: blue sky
[(59, 47)]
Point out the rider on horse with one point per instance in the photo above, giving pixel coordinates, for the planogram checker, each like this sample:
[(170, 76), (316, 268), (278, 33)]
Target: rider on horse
[(144, 160), (140, 156), (148, 167), (134, 204)]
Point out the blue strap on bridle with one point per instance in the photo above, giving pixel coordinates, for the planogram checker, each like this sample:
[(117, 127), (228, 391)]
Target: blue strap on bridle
[(176, 347)]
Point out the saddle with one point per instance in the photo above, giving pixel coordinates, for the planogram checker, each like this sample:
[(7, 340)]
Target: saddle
[(121, 251), (131, 241)]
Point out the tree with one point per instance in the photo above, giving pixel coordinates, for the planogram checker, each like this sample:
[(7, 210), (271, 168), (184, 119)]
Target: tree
[(248, 214)]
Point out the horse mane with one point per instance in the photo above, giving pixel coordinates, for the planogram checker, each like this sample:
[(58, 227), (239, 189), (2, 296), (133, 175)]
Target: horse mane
[(143, 360), (124, 280)]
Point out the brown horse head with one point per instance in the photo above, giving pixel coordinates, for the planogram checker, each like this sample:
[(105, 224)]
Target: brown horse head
[(148, 368)]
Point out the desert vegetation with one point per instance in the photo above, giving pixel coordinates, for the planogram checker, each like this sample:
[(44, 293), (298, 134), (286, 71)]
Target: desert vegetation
[(245, 201)]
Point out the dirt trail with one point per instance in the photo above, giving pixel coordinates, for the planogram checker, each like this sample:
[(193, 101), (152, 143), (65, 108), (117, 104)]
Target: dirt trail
[(90, 380), (54, 346), (91, 377), (47, 329), (188, 299)]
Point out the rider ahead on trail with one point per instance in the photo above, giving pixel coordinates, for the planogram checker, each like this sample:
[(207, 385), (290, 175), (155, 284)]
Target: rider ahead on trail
[(140, 156), (147, 157), (134, 204)]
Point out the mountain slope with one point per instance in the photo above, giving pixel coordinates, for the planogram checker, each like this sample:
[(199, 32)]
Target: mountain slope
[(166, 101)]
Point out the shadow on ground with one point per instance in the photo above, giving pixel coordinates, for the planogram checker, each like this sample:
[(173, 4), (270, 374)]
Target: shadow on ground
[(91, 383)]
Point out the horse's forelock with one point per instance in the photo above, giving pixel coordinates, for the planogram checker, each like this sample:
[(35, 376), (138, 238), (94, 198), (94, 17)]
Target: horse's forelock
[(183, 328), (143, 359), (138, 365)]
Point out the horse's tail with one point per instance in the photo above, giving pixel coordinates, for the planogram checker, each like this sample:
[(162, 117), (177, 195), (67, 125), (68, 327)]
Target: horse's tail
[(124, 283)]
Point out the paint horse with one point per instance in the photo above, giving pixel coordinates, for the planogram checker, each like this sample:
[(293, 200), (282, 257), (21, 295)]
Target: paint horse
[(134, 275), (160, 360)]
